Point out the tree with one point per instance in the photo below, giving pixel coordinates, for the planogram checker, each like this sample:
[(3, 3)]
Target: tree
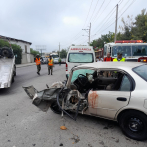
[(63, 53), (139, 31), (99, 43), (34, 52)]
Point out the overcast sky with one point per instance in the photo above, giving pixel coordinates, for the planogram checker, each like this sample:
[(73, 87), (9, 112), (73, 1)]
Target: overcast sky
[(48, 22)]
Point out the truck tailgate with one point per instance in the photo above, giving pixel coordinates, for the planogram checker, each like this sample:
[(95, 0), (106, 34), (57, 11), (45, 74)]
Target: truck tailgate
[(6, 71)]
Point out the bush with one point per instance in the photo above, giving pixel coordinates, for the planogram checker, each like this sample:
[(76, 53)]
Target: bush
[(16, 50)]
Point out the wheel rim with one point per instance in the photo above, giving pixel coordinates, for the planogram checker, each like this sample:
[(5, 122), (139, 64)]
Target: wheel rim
[(135, 125)]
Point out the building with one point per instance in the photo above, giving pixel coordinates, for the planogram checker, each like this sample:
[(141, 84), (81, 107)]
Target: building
[(27, 57)]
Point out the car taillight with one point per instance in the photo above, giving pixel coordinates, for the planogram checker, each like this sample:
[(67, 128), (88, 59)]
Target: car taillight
[(142, 59), (66, 67)]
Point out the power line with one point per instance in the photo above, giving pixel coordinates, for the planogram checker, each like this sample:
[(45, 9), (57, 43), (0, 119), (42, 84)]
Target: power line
[(98, 11), (93, 10), (110, 13), (103, 11), (119, 16), (127, 8), (88, 13), (85, 21)]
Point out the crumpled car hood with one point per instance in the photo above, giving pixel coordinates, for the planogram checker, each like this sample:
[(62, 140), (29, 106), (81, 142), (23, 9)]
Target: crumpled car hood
[(43, 99)]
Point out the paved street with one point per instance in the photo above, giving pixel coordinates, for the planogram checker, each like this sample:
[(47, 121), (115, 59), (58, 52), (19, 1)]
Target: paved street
[(24, 125)]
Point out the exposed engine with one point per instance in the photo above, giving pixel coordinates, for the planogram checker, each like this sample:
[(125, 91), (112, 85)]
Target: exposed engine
[(73, 99)]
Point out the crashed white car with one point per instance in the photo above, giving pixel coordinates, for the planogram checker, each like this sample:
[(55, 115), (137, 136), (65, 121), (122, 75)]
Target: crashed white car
[(111, 90)]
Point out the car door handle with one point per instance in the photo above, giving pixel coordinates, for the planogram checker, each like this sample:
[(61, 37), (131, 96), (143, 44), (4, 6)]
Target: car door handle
[(122, 99)]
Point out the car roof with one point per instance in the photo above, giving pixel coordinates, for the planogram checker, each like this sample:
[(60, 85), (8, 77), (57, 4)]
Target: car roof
[(119, 65)]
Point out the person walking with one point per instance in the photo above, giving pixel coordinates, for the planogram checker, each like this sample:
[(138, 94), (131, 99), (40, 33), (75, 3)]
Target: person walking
[(108, 58), (38, 63), (59, 61), (119, 57), (50, 65)]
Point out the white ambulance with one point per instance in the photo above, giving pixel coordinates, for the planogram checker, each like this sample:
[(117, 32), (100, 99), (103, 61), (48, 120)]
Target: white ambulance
[(78, 55)]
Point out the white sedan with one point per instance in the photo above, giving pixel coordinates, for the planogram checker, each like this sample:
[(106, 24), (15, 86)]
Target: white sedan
[(111, 90)]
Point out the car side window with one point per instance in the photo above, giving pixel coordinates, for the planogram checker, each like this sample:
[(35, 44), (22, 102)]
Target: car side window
[(125, 85)]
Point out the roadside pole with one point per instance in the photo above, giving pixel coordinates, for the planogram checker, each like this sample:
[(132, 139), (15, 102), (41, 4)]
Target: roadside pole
[(116, 22), (59, 49), (89, 32)]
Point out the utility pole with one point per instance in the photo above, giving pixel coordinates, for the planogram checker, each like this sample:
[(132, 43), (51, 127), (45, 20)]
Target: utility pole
[(59, 49), (40, 48), (89, 30), (116, 22)]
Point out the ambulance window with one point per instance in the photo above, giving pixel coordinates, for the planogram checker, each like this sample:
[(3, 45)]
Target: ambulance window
[(80, 58)]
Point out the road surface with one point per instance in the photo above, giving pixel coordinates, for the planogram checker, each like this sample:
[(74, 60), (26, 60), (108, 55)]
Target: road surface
[(24, 125)]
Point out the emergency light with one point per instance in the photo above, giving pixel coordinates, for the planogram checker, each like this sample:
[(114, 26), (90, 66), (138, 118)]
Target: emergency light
[(129, 41), (142, 59)]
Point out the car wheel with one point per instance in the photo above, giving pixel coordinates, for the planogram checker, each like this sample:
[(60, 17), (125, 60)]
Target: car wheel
[(134, 125), (13, 79), (55, 108)]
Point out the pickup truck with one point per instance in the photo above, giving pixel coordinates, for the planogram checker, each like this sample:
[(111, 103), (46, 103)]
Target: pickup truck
[(7, 67)]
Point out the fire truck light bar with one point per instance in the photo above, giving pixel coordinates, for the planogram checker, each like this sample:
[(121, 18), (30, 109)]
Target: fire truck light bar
[(129, 41)]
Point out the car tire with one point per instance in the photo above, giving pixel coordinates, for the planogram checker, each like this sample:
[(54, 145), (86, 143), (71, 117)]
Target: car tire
[(7, 52), (55, 108), (15, 70), (13, 79), (134, 125)]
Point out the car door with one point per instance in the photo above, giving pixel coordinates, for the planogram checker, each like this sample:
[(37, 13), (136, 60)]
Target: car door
[(106, 103)]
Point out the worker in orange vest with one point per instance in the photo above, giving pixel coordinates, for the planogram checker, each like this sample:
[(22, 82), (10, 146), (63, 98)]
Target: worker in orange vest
[(50, 65), (38, 63)]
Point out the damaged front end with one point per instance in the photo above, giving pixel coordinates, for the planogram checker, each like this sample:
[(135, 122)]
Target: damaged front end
[(59, 99)]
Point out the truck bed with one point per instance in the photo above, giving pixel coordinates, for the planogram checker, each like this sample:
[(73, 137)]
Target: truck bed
[(6, 71)]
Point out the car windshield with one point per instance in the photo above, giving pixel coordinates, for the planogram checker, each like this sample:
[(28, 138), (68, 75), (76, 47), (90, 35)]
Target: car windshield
[(126, 50), (80, 71), (80, 58), (139, 50), (141, 71), (55, 56)]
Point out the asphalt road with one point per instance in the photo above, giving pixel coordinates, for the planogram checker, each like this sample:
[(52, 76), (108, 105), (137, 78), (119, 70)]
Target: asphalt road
[(24, 125)]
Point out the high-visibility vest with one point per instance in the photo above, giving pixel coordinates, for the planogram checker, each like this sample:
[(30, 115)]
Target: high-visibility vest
[(122, 60), (50, 63), (37, 61)]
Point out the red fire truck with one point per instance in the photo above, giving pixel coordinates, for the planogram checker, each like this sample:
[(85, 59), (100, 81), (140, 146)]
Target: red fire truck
[(133, 50)]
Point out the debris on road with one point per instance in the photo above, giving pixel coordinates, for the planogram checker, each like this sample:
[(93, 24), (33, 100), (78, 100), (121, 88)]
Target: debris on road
[(63, 128), (61, 144), (75, 138)]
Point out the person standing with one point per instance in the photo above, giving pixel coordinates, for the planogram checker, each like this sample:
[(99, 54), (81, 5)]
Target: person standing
[(38, 63), (119, 57), (50, 65), (99, 59), (108, 58)]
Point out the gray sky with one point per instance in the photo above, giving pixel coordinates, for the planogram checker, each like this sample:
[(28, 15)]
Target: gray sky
[(48, 22)]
